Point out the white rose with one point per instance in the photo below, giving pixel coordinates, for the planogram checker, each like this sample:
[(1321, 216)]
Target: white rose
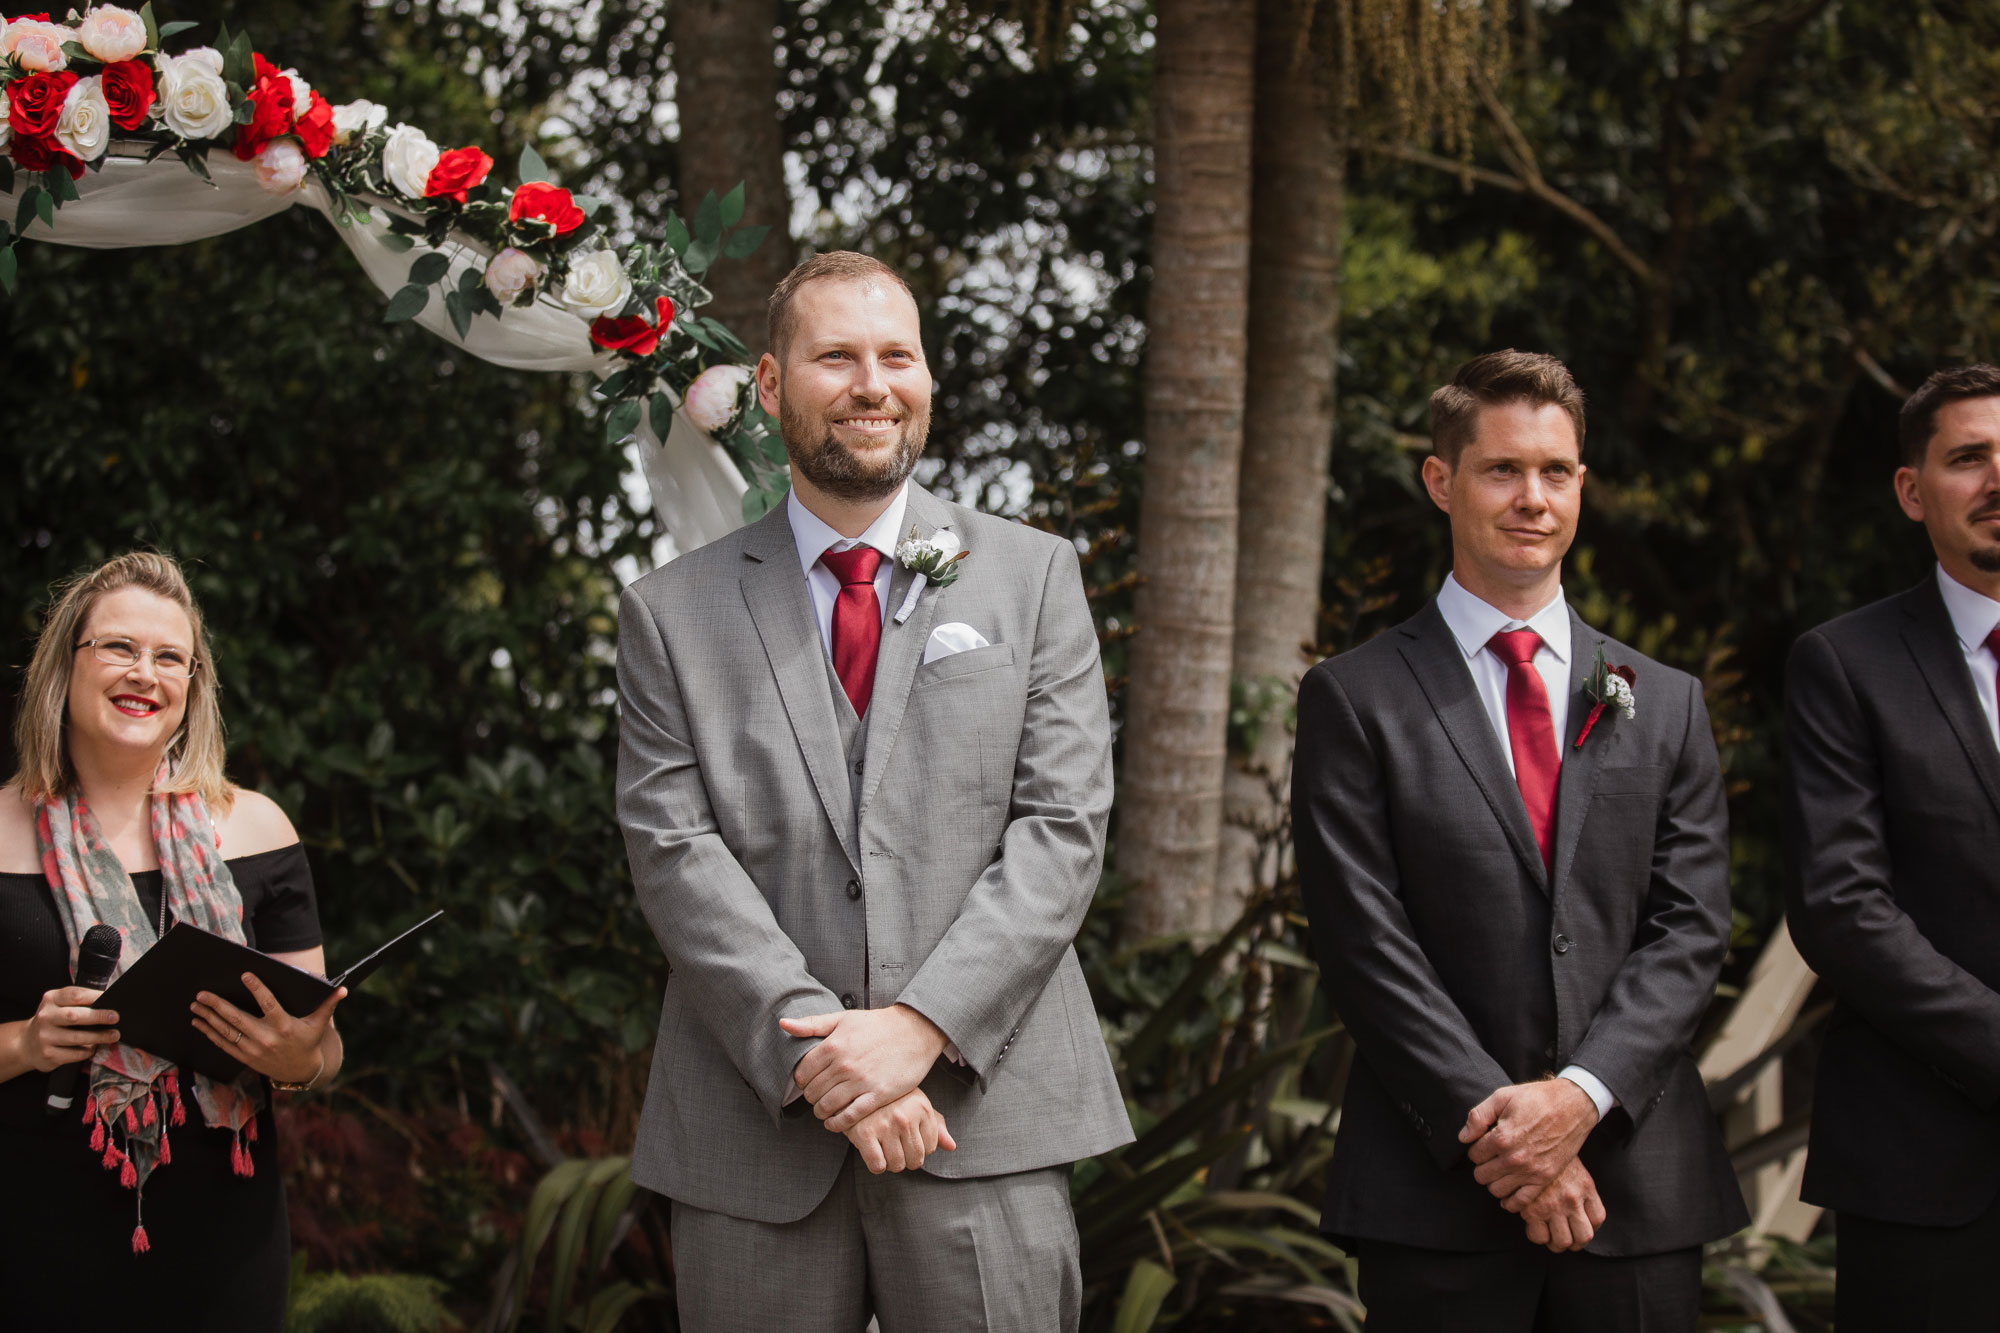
[(84, 128), (357, 120), (195, 57), (597, 284), (712, 399), (302, 93), (6, 130), (112, 34), (407, 160), (34, 45), (510, 273), (194, 101), (281, 166)]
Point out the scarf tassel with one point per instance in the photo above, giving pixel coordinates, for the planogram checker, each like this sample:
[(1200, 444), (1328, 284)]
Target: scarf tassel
[(239, 1158), (139, 1242), (172, 1085), (97, 1137), (166, 1150)]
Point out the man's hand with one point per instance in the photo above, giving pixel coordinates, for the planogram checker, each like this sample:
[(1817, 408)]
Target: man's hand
[(1525, 1134), (868, 1059), (900, 1135), (1567, 1213)]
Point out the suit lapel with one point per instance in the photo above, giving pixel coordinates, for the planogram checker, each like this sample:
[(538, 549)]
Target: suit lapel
[(896, 661), (1439, 666), (1578, 777), (1933, 642), (780, 606)]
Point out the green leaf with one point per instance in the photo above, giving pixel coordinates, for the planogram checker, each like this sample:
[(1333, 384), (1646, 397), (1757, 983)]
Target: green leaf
[(587, 204), (407, 304), (429, 268), (8, 267), (755, 505), (175, 29), (662, 412), (75, 51), (744, 242), (699, 256), (197, 162), (25, 213), (732, 206), (396, 241), (461, 315), (469, 279), (544, 1205), (152, 28), (533, 168), (615, 383), (621, 421), (65, 186), (45, 207), (677, 236), (708, 220), (6, 176), (608, 1306), (1145, 1292)]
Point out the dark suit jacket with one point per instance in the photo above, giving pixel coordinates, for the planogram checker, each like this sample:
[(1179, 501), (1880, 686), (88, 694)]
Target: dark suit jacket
[(1460, 966), (1892, 834)]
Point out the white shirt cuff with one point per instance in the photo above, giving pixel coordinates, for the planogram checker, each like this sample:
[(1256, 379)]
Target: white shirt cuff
[(1593, 1088), (951, 1053)]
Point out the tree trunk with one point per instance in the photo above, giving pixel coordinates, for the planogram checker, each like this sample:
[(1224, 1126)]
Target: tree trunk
[(726, 86), (1177, 700), (1300, 172)]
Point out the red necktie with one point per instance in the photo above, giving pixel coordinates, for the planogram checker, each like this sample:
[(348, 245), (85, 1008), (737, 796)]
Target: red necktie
[(857, 622), (1993, 642), (1531, 734)]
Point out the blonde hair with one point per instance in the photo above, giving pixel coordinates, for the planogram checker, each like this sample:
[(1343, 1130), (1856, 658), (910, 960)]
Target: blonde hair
[(194, 755)]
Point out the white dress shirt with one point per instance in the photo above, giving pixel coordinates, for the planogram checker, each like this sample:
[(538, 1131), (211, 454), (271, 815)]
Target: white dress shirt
[(1973, 616), (1474, 622), (814, 539)]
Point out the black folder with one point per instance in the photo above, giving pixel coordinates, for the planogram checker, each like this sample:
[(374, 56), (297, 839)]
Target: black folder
[(153, 996)]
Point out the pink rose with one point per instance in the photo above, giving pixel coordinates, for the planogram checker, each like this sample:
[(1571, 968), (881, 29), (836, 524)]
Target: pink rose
[(112, 34), (35, 46), (281, 166)]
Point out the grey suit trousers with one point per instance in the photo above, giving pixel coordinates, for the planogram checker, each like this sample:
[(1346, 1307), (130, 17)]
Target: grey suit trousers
[(918, 1252)]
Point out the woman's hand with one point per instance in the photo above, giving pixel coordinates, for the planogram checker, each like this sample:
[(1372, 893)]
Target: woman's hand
[(275, 1044), (59, 1033)]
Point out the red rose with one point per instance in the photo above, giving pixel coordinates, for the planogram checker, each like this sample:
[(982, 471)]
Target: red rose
[(129, 92), (456, 172), (35, 104), (538, 201), (34, 154), (316, 127), (271, 111), (633, 334)]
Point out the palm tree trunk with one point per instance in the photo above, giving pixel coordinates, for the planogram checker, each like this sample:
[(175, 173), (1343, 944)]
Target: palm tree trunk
[(1177, 701), (1300, 170), (726, 86)]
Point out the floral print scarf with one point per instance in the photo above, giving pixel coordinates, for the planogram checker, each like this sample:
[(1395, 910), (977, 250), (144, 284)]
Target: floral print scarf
[(134, 1096)]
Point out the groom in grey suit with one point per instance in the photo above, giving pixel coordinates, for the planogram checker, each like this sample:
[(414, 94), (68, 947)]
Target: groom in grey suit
[(864, 805)]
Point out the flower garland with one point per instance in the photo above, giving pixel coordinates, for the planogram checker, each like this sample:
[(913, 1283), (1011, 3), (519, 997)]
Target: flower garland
[(69, 89)]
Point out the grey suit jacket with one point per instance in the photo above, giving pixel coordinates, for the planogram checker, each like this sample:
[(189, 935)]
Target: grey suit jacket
[(1460, 964), (952, 878)]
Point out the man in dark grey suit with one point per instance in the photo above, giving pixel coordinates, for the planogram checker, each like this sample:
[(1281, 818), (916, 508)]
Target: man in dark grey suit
[(864, 771), (1892, 835), (1521, 933)]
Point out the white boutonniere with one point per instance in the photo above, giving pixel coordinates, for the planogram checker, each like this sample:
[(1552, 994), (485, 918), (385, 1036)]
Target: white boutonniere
[(1607, 687), (933, 560)]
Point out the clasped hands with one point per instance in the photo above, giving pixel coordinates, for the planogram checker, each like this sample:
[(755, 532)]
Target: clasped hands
[(1524, 1143), (862, 1082)]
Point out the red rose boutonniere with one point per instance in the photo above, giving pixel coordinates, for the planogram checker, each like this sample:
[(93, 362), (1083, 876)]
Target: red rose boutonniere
[(1607, 687)]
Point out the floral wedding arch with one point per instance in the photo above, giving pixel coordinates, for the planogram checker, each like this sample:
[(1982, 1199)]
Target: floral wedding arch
[(107, 141)]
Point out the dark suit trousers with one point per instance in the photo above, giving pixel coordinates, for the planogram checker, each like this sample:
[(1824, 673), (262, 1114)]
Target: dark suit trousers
[(1527, 1290), (1895, 1277)]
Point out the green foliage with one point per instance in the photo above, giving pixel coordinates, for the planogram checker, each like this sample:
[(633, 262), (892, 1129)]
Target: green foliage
[(372, 1303)]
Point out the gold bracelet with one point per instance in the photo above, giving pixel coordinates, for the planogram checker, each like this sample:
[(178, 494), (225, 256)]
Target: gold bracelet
[(279, 1085)]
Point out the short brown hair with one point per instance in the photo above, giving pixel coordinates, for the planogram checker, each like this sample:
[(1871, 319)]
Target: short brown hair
[(194, 757), (1918, 420), (1493, 380), (844, 264)]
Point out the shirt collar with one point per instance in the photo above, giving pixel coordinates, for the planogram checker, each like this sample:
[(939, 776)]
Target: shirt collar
[(1473, 621), (815, 538), (1973, 614)]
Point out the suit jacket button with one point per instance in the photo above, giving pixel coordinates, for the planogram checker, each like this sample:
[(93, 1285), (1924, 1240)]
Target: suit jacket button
[(1562, 944), (854, 888), (857, 766), (848, 1001)]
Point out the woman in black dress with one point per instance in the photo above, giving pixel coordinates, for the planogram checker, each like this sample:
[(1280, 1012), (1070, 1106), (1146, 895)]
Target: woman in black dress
[(156, 1195)]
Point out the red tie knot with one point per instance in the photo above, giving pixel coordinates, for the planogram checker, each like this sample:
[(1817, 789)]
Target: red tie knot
[(1993, 641), (855, 565), (1516, 647)]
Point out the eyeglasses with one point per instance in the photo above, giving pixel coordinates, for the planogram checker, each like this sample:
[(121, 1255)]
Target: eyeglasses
[(124, 653)]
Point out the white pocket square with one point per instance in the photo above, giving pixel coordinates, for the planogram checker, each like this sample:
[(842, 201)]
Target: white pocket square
[(953, 638)]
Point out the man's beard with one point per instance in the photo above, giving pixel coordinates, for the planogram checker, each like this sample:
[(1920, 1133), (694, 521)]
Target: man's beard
[(1986, 559), (832, 469)]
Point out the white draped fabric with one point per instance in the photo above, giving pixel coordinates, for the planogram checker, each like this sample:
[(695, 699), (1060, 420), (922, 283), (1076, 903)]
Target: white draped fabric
[(697, 488)]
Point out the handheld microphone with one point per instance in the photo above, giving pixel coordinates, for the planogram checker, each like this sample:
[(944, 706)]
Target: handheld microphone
[(96, 964)]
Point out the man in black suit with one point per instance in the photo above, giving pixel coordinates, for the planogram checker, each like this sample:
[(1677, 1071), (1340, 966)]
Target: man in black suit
[(1520, 933), (1892, 834)]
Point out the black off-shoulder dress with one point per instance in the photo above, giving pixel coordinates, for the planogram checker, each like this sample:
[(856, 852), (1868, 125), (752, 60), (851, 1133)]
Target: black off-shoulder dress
[(221, 1247)]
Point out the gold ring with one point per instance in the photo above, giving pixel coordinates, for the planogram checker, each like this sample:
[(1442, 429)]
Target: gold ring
[(234, 1036)]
